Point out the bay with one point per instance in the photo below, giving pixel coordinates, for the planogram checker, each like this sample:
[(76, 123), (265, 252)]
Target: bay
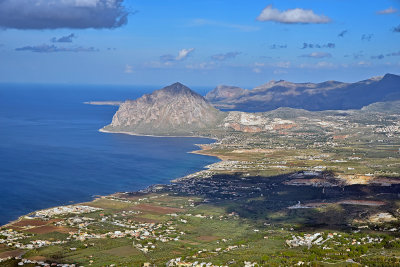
[(51, 152)]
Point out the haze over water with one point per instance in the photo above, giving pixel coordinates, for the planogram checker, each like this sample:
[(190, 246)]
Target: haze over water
[(51, 152)]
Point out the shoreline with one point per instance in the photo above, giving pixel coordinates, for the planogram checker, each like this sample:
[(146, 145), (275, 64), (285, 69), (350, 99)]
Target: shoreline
[(102, 130), (203, 151), (104, 103), (99, 196)]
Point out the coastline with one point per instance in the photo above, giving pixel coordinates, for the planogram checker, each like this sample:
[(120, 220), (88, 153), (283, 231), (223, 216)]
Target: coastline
[(103, 103), (102, 130), (199, 152), (203, 151)]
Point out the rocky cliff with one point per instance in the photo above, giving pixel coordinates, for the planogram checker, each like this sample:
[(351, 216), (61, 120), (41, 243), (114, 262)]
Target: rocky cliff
[(172, 111)]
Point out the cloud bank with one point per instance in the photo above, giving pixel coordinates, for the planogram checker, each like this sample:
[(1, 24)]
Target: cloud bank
[(55, 14), (291, 16), (318, 55), (53, 49)]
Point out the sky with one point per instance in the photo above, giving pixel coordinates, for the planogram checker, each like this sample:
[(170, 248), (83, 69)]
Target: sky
[(197, 42)]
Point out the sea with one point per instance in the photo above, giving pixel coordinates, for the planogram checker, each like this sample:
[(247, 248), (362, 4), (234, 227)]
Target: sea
[(51, 152)]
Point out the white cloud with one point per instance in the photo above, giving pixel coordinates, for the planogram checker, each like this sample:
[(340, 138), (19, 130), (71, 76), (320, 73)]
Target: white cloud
[(128, 69), (202, 66), (257, 70), (317, 55), (319, 65), (389, 10), (291, 16), (364, 63), (280, 72), (259, 67), (184, 53), (282, 64)]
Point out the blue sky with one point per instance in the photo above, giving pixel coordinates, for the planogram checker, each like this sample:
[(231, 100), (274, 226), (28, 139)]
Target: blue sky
[(197, 42)]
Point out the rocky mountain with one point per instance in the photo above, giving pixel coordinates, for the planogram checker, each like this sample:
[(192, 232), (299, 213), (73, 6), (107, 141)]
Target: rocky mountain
[(174, 110), (330, 95)]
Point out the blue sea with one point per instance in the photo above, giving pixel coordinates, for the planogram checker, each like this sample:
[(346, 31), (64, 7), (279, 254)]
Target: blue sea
[(51, 152)]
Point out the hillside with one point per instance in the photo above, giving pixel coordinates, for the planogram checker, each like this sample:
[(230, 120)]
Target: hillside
[(384, 107)]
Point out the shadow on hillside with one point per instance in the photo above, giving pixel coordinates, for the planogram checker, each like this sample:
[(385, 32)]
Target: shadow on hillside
[(268, 200)]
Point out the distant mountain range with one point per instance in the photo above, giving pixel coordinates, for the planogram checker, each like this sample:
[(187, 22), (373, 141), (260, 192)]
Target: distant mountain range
[(173, 110), (330, 95)]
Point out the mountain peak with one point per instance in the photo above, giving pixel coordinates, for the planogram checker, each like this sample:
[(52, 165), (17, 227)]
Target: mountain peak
[(390, 76), (178, 85), (177, 88), (172, 110)]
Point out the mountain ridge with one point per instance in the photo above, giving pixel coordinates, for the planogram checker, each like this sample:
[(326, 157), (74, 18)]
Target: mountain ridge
[(328, 95), (176, 110)]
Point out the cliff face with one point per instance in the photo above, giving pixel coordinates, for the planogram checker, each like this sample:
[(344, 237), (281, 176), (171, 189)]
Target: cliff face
[(173, 110), (330, 95)]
